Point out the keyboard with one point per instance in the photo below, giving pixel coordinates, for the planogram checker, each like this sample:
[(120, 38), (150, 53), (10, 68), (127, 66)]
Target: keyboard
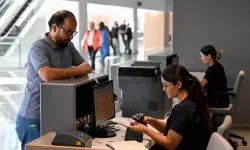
[(131, 135)]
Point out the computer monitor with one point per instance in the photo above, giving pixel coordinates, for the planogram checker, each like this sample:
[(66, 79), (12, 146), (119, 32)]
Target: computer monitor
[(103, 102), (84, 97), (104, 108)]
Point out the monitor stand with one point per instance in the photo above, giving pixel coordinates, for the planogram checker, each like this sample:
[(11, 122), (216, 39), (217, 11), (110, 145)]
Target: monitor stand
[(103, 133)]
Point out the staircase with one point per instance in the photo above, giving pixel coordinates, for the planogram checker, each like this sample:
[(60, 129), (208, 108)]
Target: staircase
[(9, 37), (12, 23), (4, 5)]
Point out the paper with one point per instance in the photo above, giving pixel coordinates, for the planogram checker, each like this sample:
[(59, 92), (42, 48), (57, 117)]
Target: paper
[(127, 145)]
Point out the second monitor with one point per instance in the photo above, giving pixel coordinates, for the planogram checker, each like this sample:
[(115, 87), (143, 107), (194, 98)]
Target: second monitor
[(103, 110)]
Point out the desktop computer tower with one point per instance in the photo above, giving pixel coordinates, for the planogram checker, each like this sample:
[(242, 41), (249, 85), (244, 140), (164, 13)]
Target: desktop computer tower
[(62, 102)]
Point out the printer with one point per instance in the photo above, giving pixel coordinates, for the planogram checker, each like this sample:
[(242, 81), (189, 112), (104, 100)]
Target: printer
[(141, 87)]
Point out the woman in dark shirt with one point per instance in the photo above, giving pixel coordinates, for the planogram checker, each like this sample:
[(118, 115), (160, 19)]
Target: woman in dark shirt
[(189, 125), (215, 80)]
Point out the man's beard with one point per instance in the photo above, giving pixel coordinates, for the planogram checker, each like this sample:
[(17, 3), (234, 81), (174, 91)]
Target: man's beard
[(62, 43)]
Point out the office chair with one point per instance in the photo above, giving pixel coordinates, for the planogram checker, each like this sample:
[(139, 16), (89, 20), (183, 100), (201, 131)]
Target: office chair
[(225, 129), (217, 142), (234, 94)]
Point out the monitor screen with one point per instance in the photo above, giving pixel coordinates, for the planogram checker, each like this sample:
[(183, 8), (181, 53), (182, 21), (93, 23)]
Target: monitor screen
[(104, 102), (84, 97)]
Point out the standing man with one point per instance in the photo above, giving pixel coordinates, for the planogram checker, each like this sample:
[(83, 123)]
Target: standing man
[(51, 58), (123, 32), (91, 43), (115, 38), (129, 38)]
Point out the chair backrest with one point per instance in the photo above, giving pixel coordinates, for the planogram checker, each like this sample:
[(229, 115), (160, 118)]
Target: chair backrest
[(217, 142), (225, 129), (237, 89)]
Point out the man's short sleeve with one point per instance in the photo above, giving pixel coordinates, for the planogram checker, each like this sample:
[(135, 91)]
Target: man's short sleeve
[(179, 121), (77, 59), (38, 57)]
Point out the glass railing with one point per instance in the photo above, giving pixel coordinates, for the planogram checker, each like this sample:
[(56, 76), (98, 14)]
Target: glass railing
[(18, 57)]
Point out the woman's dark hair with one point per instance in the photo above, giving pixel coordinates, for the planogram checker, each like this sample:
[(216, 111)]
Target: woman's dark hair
[(191, 84), (209, 49), (58, 18)]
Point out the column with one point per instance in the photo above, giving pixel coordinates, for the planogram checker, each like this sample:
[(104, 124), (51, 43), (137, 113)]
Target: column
[(83, 25), (135, 48)]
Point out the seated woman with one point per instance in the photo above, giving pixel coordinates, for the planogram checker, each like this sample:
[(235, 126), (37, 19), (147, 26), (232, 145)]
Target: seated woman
[(189, 125), (215, 80)]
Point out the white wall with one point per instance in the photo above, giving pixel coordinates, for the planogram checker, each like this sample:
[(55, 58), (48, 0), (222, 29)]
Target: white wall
[(146, 4)]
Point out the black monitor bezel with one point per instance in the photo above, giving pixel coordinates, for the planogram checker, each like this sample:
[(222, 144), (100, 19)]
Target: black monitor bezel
[(110, 82)]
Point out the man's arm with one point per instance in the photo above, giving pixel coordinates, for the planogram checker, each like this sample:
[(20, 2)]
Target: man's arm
[(47, 73), (40, 60)]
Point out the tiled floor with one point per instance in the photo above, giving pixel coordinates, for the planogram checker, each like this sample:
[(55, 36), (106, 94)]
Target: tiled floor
[(12, 85)]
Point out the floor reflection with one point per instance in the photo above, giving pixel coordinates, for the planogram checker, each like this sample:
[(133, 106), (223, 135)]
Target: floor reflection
[(12, 85)]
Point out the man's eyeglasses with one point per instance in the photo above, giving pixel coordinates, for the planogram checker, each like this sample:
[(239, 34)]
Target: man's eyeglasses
[(68, 31)]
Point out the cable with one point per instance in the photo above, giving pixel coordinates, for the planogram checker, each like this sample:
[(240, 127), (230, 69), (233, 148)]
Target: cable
[(97, 82)]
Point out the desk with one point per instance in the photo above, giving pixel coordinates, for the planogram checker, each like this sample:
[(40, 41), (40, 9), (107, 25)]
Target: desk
[(44, 142), (100, 142)]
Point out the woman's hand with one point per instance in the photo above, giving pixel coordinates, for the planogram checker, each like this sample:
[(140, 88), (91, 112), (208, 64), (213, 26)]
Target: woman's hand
[(147, 120), (138, 127)]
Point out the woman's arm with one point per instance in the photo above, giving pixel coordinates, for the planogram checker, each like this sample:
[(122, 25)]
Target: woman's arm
[(157, 124), (204, 82), (171, 141)]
